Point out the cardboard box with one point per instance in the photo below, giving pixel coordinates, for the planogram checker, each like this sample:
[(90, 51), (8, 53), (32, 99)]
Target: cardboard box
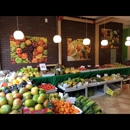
[(48, 110), (113, 90), (125, 86)]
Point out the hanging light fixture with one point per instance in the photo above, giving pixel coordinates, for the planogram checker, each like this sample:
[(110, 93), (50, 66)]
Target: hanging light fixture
[(86, 40), (18, 35), (127, 43), (104, 42), (57, 38)]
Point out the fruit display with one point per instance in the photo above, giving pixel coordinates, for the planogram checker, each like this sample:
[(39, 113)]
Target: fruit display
[(114, 65), (28, 50), (47, 87), (71, 70), (72, 82), (61, 107), (15, 97), (112, 77), (54, 96), (29, 72), (82, 68), (58, 69), (87, 105)]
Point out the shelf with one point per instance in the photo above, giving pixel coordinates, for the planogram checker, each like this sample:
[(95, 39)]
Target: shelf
[(96, 84), (72, 88), (51, 91), (114, 81), (126, 79), (97, 94)]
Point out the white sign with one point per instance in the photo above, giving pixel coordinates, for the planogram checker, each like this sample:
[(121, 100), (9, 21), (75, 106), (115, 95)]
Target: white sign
[(42, 66), (98, 76), (29, 66), (58, 69), (89, 65), (82, 66)]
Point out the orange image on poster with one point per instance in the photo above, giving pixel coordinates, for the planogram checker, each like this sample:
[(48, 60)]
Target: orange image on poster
[(31, 49), (76, 50)]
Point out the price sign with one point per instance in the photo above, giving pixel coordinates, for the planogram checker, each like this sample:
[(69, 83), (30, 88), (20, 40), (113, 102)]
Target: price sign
[(89, 65), (29, 66), (82, 66), (98, 76), (58, 69), (42, 66)]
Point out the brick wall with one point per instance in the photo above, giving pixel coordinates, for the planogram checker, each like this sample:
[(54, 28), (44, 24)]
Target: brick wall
[(36, 26), (31, 26), (104, 53)]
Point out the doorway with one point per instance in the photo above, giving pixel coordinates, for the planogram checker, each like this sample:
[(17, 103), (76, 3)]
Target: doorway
[(113, 56)]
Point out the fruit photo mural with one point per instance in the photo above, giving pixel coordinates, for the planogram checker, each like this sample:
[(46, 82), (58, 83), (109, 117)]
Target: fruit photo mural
[(112, 36), (76, 50), (30, 49)]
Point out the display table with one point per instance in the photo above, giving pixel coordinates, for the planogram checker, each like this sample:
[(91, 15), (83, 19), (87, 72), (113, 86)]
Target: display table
[(54, 80)]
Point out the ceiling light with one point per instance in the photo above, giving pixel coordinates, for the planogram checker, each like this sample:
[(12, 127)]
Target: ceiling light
[(57, 39), (104, 42), (18, 35), (86, 40)]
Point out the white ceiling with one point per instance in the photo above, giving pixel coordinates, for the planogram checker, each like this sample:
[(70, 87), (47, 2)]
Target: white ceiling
[(120, 19)]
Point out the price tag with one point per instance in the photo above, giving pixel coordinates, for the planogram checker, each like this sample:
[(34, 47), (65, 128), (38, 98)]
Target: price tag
[(105, 75), (29, 66), (96, 65), (98, 76), (42, 66), (82, 66), (89, 65), (58, 69)]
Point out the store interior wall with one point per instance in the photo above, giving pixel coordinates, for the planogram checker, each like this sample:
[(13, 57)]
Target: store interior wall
[(36, 26), (104, 53), (124, 48)]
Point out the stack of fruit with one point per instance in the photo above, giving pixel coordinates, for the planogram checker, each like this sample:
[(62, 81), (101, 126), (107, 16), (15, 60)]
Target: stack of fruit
[(13, 98), (87, 105)]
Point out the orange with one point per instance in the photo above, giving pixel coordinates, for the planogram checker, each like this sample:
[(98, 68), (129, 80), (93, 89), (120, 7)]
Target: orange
[(28, 42), (40, 49)]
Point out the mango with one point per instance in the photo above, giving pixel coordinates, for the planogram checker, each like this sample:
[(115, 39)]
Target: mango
[(2, 94), (17, 95), (14, 112), (17, 103), (38, 107), (29, 103), (46, 103), (31, 108), (23, 90), (5, 109), (40, 99), (34, 91), (14, 92), (3, 101), (35, 97), (27, 97), (26, 93), (29, 86)]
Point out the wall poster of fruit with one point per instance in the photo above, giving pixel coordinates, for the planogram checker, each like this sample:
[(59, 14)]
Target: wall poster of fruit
[(76, 50), (112, 36), (31, 49)]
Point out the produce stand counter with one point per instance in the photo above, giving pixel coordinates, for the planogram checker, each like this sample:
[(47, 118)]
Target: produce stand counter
[(54, 80)]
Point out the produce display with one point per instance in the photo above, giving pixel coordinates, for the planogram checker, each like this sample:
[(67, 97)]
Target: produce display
[(47, 86), (87, 105), (71, 70), (72, 82), (58, 69), (29, 72)]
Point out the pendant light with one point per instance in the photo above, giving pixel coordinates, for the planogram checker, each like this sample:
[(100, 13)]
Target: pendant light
[(57, 38), (18, 35), (86, 40), (104, 42), (127, 43)]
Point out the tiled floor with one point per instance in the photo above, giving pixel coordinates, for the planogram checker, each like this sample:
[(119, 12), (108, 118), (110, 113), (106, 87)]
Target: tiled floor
[(115, 105)]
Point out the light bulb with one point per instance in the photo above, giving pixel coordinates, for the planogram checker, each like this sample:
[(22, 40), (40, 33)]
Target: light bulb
[(86, 41), (18, 35), (128, 38), (127, 43), (57, 39), (104, 42)]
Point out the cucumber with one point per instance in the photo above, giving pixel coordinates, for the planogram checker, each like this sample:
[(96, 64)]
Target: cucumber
[(97, 109)]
